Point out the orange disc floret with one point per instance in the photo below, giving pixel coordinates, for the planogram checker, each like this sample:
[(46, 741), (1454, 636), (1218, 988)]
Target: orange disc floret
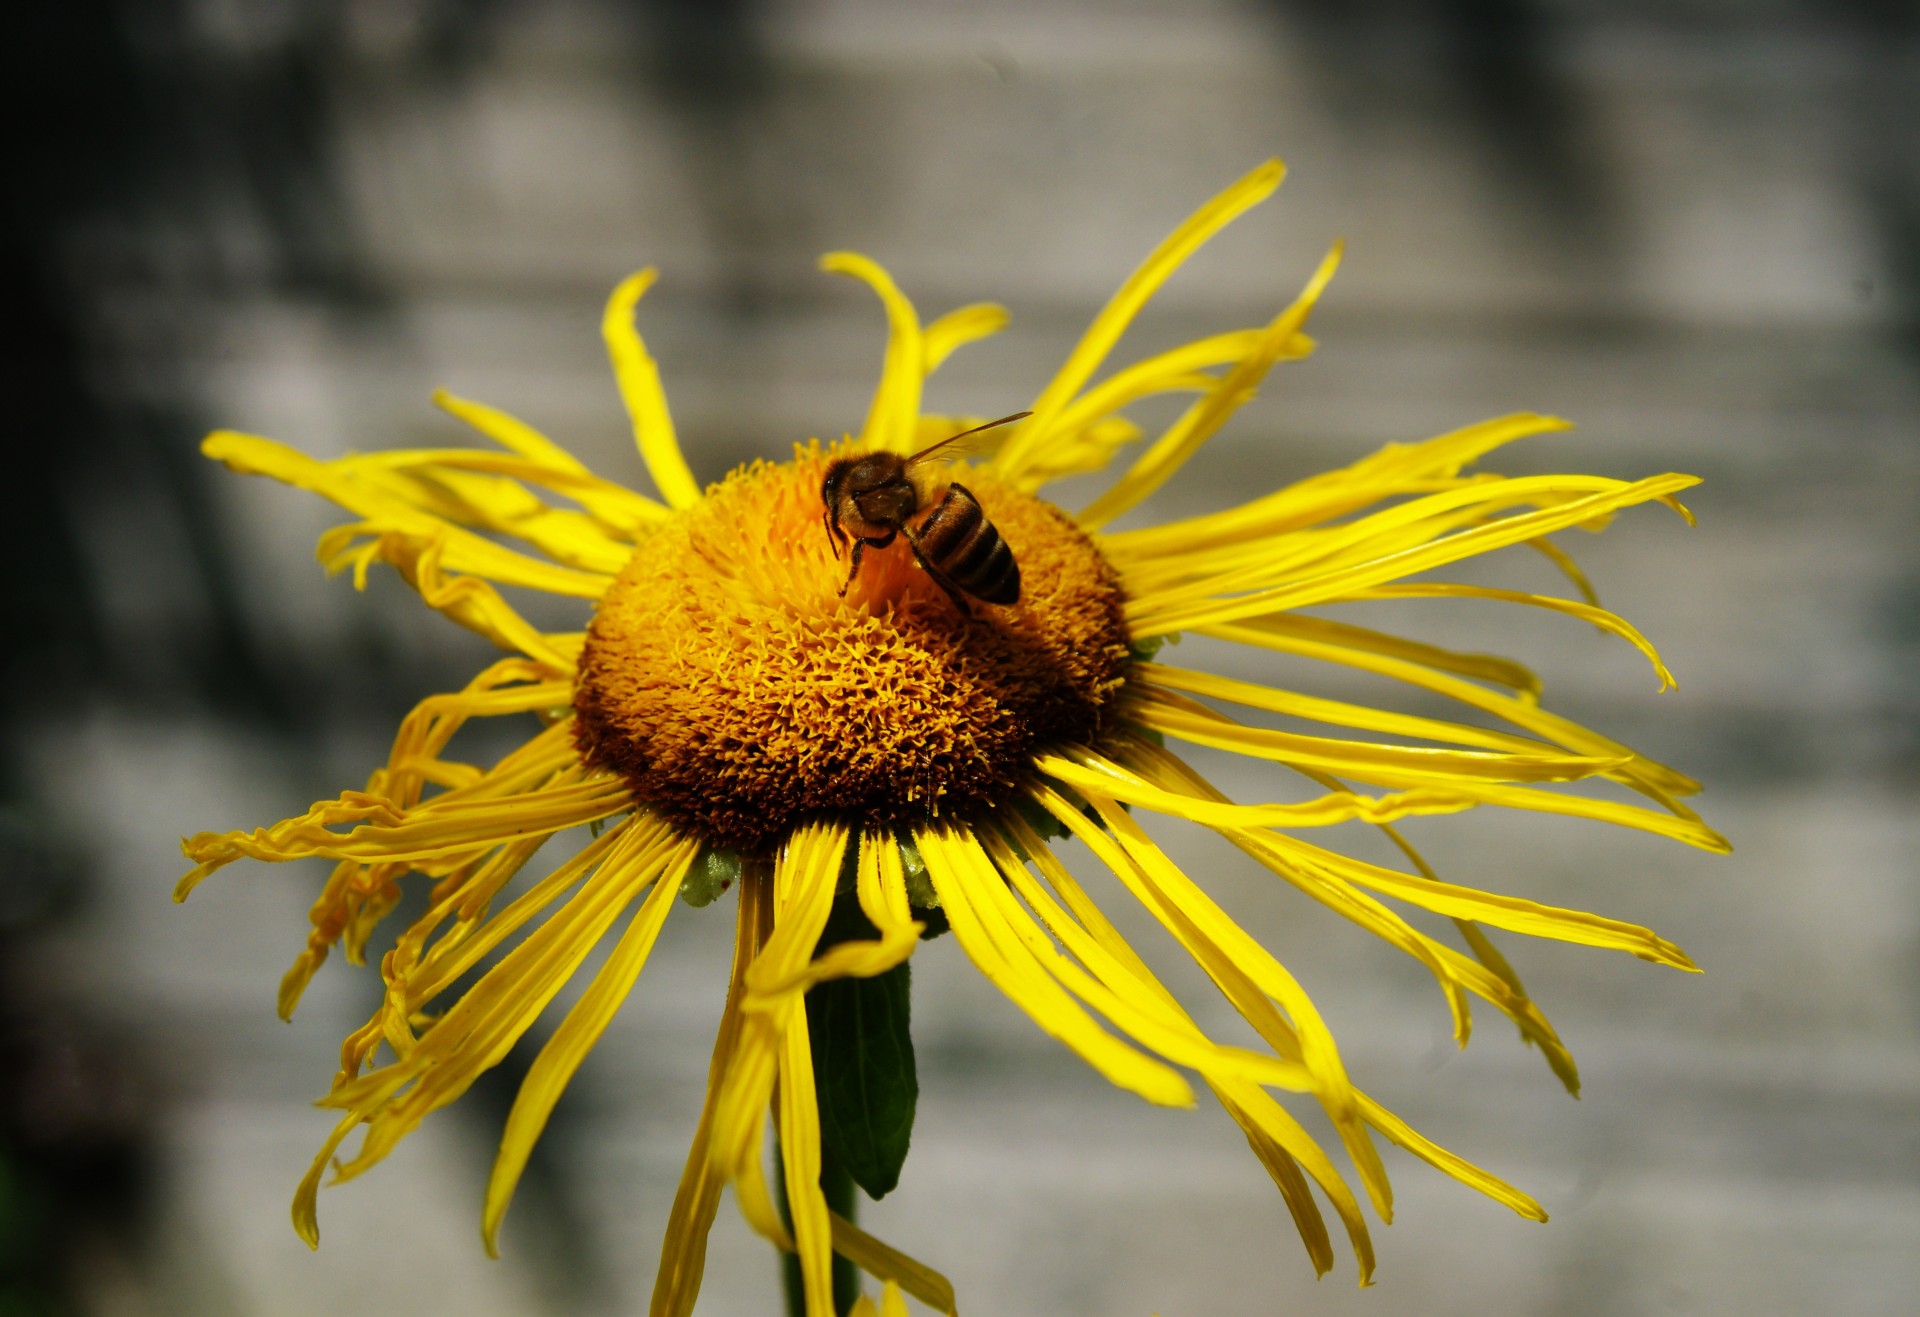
[(726, 679)]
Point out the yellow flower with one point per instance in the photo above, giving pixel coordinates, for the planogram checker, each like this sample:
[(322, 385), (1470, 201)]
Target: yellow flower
[(741, 707)]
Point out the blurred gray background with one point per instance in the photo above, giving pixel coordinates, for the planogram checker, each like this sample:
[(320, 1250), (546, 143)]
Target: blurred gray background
[(1694, 227)]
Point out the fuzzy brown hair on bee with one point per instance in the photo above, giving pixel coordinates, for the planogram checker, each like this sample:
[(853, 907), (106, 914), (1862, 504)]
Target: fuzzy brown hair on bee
[(868, 499)]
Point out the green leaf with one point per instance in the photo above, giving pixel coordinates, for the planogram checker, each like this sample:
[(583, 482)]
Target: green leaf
[(863, 1065)]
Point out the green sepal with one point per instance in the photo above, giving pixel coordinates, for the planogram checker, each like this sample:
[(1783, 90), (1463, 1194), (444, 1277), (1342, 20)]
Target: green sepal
[(863, 1068), (1143, 648)]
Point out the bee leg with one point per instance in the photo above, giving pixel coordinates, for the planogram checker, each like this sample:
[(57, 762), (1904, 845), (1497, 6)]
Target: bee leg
[(858, 545), (860, 542), (940, 578), (833, 532)]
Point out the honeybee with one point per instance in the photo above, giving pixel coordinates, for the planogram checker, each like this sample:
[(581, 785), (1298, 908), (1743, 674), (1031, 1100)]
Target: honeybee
[(869, 498)]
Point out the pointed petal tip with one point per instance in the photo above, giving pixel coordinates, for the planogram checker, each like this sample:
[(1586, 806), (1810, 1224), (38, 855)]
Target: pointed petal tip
[(628, 290), (1266, 175)]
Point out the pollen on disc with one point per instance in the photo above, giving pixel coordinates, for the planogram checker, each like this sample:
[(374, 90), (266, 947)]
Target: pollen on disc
[(737, 691)]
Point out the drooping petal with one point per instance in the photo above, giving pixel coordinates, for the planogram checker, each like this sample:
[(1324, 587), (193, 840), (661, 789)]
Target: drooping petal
[(1134, 1006), (1257, 984), (801, 1154), (802, 881), (470, 601), (1420, 666), (479, 1029), (1611, 623), (892, 1266), (554, 1068), (1283, 1147), (963, 876), (683, 1249)]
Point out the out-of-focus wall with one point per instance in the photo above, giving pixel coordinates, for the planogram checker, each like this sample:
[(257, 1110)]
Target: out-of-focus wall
[(1693, 228)]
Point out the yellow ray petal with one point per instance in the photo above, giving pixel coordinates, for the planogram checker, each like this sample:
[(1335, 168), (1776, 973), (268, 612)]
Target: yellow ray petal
[(1172, 714), (1611, 623), (1570, 569), (1084, 769), (1336, 712), (1403, 1135), (1509, 912), (800, 1156), (616, 505), (1244, 970), (1195, 605), (1107, 986), (639, 380), (1283, 1147), (803, 882), (467, 600), (1470, 774), (954, 863), (1302, 636), (336, 481), (1120, 310), (479, 1028), (306, 1207), (1395, 469), (477, 931), (461, 487), (433, 830), (956, 329), (683, 1250), (1504, 990), (1201, 420), (1328, 638), (892, 1266), (896, 402), (1181, 369)]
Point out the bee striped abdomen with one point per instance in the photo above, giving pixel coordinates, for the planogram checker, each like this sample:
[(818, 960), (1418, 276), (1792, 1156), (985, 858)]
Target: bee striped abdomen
[(958, 540)]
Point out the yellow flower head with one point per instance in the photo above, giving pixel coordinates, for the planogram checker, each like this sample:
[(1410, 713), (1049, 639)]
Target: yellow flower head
[(748, 708)]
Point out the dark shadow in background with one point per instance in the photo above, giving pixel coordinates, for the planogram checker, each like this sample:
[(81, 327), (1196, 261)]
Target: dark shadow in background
[(170, 160), (1885, 157), (1490, 70)]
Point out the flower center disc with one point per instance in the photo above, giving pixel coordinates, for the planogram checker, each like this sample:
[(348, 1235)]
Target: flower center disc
[(726, 679)]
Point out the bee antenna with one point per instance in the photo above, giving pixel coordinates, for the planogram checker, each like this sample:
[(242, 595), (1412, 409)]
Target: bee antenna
[(990, 425)]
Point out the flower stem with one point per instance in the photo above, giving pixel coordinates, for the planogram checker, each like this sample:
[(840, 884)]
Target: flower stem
[(837, 1184)]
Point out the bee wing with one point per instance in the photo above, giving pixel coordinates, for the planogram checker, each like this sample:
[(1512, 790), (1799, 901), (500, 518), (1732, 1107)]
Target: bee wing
[(956, 446)]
